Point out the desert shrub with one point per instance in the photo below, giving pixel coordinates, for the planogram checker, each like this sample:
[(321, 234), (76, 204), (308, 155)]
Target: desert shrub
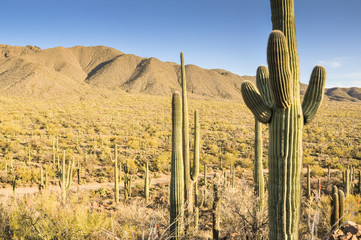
[(317, 171), (240, 217), (38, 217)]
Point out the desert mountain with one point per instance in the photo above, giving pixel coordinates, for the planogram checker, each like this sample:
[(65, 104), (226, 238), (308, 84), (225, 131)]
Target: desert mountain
[(51, 72)]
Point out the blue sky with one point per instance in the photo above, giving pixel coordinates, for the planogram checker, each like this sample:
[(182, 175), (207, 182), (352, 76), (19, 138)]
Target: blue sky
[(228, 34)]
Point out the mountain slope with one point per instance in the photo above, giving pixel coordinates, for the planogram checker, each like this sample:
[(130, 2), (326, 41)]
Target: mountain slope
[(56, 71)]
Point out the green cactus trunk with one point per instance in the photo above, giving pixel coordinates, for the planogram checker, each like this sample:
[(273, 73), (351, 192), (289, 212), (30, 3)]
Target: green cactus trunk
[(146, 182), (185, 140), (258, 166), (177, 170), (335, 211), (359, 182), (116, 174), (65, 178), (347, 182), (328, 174), (215, 210), (286, 118), (341, 200), (197, 205)]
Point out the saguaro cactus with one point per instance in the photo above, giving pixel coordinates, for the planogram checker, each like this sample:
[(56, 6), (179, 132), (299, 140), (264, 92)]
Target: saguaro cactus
[(177, 172), (215, 211), (189, 177), (127, 182), (286, 118), (146, 182), (341, 200), (347, 182), (65, 178), (335, 215), (197, 204), (308, 182), (117, 169)]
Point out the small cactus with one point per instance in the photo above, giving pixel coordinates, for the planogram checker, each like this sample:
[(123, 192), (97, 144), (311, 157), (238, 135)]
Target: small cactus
[(308, 182), (335, 211), (146, 182), (65, 178), (341, 200), (215, 210), (197, 205), (117, 178)]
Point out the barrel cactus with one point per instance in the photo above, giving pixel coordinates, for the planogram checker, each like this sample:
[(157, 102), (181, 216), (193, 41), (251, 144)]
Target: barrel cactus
[(286, 118)]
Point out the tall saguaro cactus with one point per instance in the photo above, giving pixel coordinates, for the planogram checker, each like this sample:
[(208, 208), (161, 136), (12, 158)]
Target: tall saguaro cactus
[(286, 118), (177, 172), (189, 177)]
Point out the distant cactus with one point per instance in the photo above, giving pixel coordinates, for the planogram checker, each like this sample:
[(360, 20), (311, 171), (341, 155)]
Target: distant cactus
[(14, 184), (335, 211), (328, 173), (198, 203), (215, 210), (359, 182), (146, 182), (286, 119), (65, 178), (233, 183), (177, 171), (127, 182), (308, 182), (117, 169), (347, 184), (205, 174), (42, 182), (341, 200)]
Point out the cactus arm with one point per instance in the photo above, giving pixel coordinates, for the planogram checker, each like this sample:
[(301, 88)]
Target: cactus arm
[(283, 19), (314, 94), (255, 103), (262, 82), (195, 173), (281, 84)]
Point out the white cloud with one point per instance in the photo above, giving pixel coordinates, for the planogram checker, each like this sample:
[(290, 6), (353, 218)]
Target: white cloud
[(330, 64)]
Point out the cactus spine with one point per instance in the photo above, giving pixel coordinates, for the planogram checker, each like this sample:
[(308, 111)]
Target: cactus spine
[(146, 182), (286, 118), (177, 171), (65, 178)]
